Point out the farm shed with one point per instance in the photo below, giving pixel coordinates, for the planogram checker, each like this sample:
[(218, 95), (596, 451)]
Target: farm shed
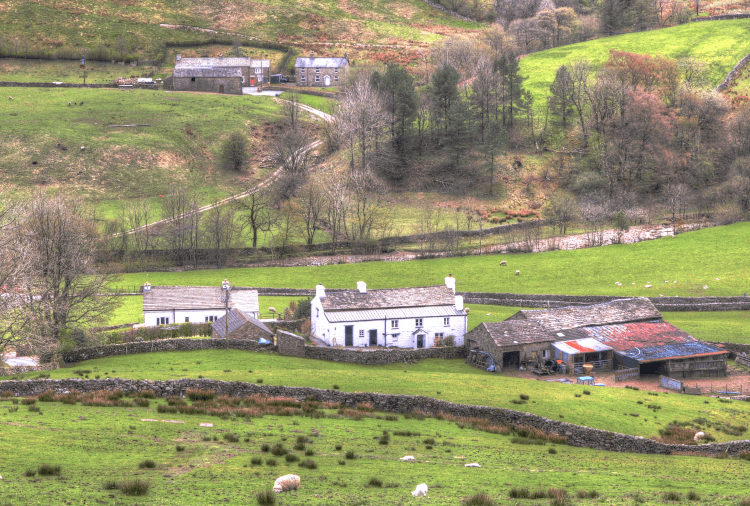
[(512, 344), (220, 75), (180, 304), (238, 325), (401, 317), (658, 347), (577, 352), (323, 72)]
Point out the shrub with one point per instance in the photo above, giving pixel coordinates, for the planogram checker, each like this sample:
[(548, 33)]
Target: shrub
[(28, 402), (338, 447), (196, 394), (479, 499), (147, 464), (375, 482), (180, 448), (672, 496), (35, 409), (142, 403), (591, 494), (309, 452), (587, 392), (134, 487), (48, 470), (30, 472), (110, 485), (552, 450), (279, 450), (231, 437), (693, 496), (299, 446), (290, 457), (429, 441), (308, 464), (265, 448), (350, 455), (271, 462), (265, 497), (256, 461), (524, 397), (559, 497)]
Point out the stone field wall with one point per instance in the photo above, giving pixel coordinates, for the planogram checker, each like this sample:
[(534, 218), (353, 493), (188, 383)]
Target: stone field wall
[(576, 435), (22, 369)]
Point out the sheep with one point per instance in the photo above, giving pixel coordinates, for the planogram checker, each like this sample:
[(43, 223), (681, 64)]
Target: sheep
[(408, 457), (272, 310), (504, 262), (647, 286), (68, 104), (699, 435), (10, 98), (286, 483), (518, 273), (81, 103), (473, 464), (420, 490), (83, 148)]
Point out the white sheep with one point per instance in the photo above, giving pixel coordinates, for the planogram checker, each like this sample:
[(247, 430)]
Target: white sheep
[(699, 435), (647, 286), (473, 464), (10, 98), (408, 457), (68, 104), (83, 148), (504, 262), (518, 273), (420, 490), (272, 310), (286, 483)]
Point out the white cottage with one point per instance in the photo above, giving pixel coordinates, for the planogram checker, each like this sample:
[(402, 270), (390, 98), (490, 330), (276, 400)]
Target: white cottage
[(399, 317), (198, 304)]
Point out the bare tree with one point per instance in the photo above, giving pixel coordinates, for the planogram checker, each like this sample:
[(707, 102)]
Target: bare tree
[(56, 284), (286, 228), (364, 121), (137, 215), (256, 212), (312, 203), (593, 215), (181, 232), (366, 207), (337, 203), (291, 151), (560, 210), (291, 107), (222, 232)]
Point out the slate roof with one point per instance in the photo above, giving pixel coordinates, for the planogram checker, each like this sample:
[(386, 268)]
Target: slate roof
[(510, 333), (321, 62), (236, 320), (673, 351), (586, 345), (389, 298), (638, 335), (616, 311), (167, 298), (222, 62), (207, 72)]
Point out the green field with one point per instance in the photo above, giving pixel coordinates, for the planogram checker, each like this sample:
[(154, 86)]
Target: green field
[(721, 44), (211, 468), (719, 252), (451, 380)]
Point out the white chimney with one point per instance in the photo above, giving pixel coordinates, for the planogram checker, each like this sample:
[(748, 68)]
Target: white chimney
[(450, 282), (225, 284), (362, 286), (146, 287), (320, 291), (178, 57), (459, 303)]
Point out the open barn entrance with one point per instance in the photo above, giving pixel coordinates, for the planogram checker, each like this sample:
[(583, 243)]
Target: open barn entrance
[(511, 359)]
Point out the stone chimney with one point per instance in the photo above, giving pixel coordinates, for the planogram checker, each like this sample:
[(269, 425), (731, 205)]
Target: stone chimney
[(312, 54), (320, 291), (178, 57), (146, 287), (362, 286), (225, 284), (459, 303), (450, 282)]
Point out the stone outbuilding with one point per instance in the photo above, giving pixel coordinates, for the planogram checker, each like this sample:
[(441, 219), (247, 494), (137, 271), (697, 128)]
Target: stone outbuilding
[(220, 75), (239, 325), (321, 72), (512, 344)]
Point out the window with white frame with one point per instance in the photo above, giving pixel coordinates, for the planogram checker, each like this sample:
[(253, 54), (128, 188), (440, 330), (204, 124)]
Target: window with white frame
[(317, 79), (317, 312), (317, 70), (302, 79), (336, 70), (361, 334), (418, 322), (211, 318), (438, 335), (545, 353), (162, 320), (336, 78), (394, 324), (259, 71), (446, 322), (187, 319), (301, 71)]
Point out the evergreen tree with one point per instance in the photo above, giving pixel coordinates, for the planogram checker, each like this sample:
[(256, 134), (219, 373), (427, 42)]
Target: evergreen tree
[(444, 94), (560, 101), (511, 90)]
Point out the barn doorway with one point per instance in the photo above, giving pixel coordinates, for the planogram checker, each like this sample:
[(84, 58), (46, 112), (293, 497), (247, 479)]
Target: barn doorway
[(221, 88), (349, 335), (511, 359)]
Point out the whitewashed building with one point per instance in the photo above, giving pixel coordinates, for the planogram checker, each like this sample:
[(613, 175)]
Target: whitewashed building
[(164, 305), (400, 317)]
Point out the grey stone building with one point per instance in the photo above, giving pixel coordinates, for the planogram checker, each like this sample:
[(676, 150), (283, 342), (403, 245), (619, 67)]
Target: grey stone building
[(239, 325), (220, 75), (512, 344), (321, 72)]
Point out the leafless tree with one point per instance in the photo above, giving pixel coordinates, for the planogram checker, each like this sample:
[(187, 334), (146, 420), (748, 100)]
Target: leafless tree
[(430, 221), (291, 107), (312, 204), (285, 228), (256, 212), (181, 233), (290, 151), (593, 215), (222, 231), (336, 194), (139, 213), (560, 210), (55, 283), (364, 121), (366, 206)]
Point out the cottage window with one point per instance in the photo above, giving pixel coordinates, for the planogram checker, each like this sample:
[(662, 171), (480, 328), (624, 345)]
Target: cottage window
[(361, 334), (192, 79), (336, 78), (187, 319), (302, 79), (394, 324), (418, 322), (545, 353), (317, 70), (211, 318), (438, 335), (336, 70), (317, 312), (162, 320), (446, 322), (301, 71), (258, 71), (317, 79)]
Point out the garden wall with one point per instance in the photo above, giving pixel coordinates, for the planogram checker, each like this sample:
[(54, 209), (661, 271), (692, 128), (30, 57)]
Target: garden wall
[(576, 435), (21, 369), (367, 356)]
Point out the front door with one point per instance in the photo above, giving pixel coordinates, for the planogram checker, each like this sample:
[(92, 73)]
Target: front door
[(349, 335), (252, 81), (327, 80), (420, 341), (221, 88), (373, 338)]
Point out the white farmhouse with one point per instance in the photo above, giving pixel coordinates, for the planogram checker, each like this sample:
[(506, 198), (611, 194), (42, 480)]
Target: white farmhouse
[(197, 304), (399, 317)]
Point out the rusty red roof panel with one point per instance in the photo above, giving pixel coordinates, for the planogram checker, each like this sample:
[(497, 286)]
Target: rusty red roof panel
[(577, 346), (627, 336)]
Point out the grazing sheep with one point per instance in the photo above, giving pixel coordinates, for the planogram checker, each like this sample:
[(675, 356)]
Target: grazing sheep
[(68, 104), (408, 457), (10, 98), (705, 287), (698, 436), (518, 273), (271, 309), (647, 286), (81, 103), (286, 483), (420, 490), (504, 262), (83, 148), (473, 464)]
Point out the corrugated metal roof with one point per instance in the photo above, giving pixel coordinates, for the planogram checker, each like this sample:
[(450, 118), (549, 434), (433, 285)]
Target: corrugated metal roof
[(616, 311), (391, 313), (672, 351), (222, 62), (587, 345), (322, 62), (637, 335)]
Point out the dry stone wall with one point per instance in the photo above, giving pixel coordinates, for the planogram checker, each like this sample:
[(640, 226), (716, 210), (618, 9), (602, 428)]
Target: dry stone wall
[(22, 369), (15, 84), (382, 356), (576, 435)]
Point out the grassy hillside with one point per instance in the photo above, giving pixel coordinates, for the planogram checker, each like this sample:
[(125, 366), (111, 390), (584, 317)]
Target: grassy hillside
[(721, 44), (198, 466), (693, 260)]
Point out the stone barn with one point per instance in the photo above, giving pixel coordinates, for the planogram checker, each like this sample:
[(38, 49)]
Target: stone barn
[(237, 324), (220, 75), (512, 344)]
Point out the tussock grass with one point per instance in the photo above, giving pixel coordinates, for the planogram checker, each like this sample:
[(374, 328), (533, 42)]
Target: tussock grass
[(147, 464), (265, 498), (49, 470), (136, 487)]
